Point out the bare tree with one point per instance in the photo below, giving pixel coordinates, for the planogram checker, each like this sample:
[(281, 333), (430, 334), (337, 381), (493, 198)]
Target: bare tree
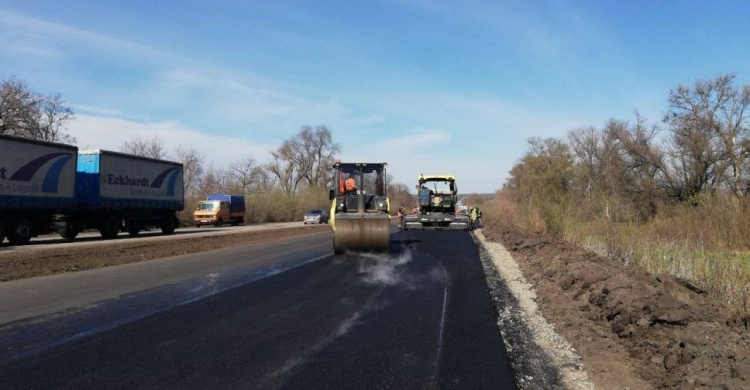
[(244, 172), (284, 168), (50, 118), (145, 147), (25, 113), (264, 180), (306, 159), (214, 181), (710, 123), (192, 165), (587, 145), (15, 98), (319, 151), (399, 194), (545, 172)]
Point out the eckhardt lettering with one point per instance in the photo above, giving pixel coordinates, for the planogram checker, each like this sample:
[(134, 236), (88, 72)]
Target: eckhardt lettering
[(168, 176), (29, 171), (126, 180)]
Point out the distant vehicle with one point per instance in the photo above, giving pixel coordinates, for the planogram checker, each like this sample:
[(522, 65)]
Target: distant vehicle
[(47, 187), (316, 216), (218, 209)]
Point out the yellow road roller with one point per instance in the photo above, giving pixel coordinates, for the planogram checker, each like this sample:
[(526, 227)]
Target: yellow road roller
[(359, 208)]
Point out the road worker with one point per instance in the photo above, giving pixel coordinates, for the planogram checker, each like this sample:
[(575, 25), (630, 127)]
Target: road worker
[(401, 217), (350, 185)]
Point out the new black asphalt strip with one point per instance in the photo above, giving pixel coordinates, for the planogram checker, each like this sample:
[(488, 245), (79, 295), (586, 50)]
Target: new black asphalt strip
[(419, 317)]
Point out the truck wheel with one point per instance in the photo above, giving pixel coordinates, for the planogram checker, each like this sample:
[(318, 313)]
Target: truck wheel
[(168, 226), (133, 231), (20, 232), (110, 228), (2, 233), (218, 222), (69, 232)]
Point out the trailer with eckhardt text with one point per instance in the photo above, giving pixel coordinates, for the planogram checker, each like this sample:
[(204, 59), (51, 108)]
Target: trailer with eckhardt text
[(121, 192), (37, 183), (47, 187)]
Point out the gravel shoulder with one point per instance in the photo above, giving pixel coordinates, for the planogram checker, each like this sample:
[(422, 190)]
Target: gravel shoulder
[(541, 357), (632, 330), (41, 260)]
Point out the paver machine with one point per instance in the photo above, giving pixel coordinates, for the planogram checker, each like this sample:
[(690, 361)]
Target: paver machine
[(359, 208), (437, 196)]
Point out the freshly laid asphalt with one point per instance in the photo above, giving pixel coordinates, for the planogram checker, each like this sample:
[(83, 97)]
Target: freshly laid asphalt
[(418, 317)]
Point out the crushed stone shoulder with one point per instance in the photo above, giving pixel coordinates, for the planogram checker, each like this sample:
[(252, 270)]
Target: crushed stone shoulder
[(541, 358)]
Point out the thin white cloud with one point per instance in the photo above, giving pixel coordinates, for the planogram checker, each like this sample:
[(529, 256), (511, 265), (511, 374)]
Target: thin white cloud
[(96, 132), (414, 141), (101, 111), (168, 81), (32, 27)]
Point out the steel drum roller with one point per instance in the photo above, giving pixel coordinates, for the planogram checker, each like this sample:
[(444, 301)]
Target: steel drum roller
[(361, 233)]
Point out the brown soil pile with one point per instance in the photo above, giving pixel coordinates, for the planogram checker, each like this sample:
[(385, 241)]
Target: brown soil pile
[(27, 264), (665, 329)]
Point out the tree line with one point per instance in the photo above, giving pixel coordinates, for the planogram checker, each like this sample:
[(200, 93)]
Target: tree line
[(627, 169), (300, 167), (301, 162)]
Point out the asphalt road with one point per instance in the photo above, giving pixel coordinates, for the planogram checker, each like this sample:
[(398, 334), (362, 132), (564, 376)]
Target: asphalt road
[(282, 315), (93, 238)]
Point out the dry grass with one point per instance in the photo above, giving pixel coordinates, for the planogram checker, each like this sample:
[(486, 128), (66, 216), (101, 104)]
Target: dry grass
[(708, 244), (271, 206)]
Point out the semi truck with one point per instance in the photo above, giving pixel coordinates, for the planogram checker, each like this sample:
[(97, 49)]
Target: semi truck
[(49, 187), (218, 209), (37, 182)]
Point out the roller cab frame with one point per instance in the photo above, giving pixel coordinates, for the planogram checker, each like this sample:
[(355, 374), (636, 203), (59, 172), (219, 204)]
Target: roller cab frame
[(437, 196), (359, 212)]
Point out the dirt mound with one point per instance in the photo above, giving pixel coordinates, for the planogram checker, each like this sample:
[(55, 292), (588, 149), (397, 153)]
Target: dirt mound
[(667, 330)]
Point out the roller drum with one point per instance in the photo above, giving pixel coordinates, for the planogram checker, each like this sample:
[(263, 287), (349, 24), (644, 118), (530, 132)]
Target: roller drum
[(365, 234)]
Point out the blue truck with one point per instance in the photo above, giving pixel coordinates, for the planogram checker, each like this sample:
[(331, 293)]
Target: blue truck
[(47, 187)]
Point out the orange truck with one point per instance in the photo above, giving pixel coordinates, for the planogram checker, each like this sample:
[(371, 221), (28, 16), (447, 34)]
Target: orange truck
[(219, 209)]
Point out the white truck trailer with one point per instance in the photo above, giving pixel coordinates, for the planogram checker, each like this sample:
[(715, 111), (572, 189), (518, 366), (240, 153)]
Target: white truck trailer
[(47, 187), (37, 182)]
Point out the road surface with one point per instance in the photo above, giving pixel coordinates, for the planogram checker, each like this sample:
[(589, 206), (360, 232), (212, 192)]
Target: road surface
[(287, 314), (93, 238)]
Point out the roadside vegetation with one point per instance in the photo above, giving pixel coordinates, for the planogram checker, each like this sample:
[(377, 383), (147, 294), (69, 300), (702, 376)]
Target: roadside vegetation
[(671, 197)]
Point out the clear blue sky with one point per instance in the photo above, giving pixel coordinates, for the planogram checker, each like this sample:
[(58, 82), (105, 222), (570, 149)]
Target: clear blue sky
[(428, 86)]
